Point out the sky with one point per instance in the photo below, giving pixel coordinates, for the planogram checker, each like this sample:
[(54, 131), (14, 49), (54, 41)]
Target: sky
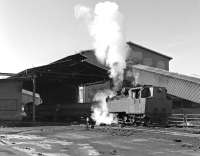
[(37, 32)]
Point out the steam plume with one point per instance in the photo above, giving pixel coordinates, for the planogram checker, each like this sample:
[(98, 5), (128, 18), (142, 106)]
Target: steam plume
[(82, 12), (105, 26), (100, 112), (109, 43), (136, 76)]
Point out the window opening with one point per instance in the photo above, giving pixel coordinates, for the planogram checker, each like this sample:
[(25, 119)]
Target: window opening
[(135, 93), (145, 93)]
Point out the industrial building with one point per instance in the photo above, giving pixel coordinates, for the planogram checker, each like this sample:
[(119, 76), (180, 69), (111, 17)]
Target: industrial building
[(72, 82), (137, 55), (58, 85), (67, 86)]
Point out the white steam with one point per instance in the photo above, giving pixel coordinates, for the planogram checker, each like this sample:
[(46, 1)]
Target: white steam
[(105, 26), (100, 112), (82, 12), (109, 43), (136, 76)]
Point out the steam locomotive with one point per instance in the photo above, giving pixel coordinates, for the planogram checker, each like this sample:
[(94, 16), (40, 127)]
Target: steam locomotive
[(141, 105)]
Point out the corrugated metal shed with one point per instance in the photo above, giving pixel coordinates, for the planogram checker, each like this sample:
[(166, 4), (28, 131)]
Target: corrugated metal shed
[(179, 85)]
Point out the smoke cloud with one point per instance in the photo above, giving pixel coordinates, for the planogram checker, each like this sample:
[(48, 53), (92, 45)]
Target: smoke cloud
[(100, 112), (109, 43), (105, 26), (136, 76), (82, 12)]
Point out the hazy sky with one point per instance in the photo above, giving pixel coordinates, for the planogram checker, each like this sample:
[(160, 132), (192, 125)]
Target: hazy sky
[(37, 32)]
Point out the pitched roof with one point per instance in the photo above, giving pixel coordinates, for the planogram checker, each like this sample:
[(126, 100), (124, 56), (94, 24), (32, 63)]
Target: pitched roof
[(152, 51), (89, 56)]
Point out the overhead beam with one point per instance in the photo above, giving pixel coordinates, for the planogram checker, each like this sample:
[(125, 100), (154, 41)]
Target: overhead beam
[(7, 74)]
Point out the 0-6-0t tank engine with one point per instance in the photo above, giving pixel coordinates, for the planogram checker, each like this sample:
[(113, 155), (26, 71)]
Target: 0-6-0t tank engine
[(143, 104)]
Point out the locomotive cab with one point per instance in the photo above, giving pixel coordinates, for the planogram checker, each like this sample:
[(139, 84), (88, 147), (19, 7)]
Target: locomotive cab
[(141, 92)]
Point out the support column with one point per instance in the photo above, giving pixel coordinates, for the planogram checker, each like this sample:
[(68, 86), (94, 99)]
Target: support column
[(34, 91)]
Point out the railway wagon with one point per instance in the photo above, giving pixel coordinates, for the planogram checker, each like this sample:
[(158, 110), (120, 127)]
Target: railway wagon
[(72, 112), (146, 104)]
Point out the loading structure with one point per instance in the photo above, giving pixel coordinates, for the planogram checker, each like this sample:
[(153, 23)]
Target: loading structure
[(178, 85)]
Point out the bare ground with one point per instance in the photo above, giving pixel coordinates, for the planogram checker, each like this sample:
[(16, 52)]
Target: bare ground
[(105, 141)]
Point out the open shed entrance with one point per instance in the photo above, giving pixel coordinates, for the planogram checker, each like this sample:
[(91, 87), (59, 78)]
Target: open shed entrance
[(58, 85)]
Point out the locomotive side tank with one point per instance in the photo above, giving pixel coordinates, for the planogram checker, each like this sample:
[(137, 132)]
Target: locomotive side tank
[(141, 104)]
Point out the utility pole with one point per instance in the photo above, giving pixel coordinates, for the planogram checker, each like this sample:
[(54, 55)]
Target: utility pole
[(34, 90)]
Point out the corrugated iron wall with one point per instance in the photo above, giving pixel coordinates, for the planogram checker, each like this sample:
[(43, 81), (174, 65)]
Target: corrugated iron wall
[(10, 99), (175, 86)]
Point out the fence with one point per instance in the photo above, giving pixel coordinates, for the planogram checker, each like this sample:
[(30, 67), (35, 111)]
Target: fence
[(185, 120)]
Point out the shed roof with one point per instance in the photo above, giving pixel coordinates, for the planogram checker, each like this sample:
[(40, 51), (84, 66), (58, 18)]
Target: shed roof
[(74, 67)]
